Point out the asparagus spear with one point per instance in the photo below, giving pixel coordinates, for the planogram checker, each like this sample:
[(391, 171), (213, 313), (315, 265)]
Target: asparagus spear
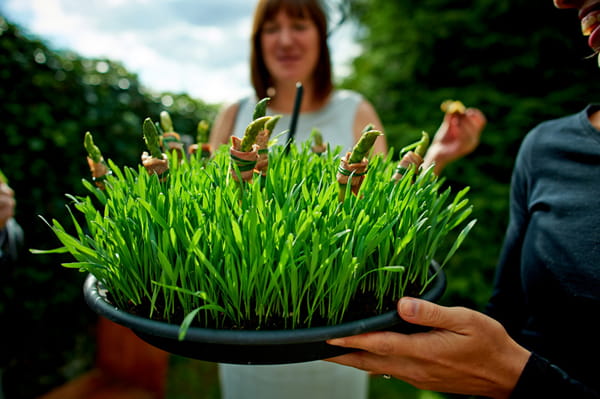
[(152, 138), (202, 132), (252, 131), (412, 157), (3, 178), (318, 145), (364, 144), (260, 109), (156, 162), (165, 122), (271, 123), (202, 137), (201, 144), (422, 145), (353, 167), (317, 137), (95, 160), (91, 148), (262, 141), (170, 139)]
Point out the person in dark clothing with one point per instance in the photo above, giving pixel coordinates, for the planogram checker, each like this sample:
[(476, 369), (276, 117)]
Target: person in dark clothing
[(11, 243), (538, 338), (11, 234), (549, 263)]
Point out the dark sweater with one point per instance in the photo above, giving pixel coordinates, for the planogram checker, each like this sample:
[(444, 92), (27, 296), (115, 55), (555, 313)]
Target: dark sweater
[(547, 287)]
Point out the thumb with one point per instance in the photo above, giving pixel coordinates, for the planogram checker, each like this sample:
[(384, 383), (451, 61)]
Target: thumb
[(418, 311)]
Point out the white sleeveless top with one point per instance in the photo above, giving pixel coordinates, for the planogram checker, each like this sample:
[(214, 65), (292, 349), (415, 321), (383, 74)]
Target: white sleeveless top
[(317, 379), (335, 120)]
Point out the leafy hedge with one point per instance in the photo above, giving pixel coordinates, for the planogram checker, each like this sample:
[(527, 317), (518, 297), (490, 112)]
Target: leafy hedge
[(49, 100), (520, 62)]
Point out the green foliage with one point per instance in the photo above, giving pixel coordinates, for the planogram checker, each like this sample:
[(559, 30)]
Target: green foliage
[(520, 62), (281, 249), (49, 100)]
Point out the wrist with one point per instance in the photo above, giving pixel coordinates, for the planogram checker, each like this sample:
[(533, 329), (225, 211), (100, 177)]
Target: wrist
[(515, 362), (435, 156)]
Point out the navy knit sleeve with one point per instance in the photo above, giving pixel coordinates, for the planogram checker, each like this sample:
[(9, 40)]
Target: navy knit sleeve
[(506, 302), (542, 379)]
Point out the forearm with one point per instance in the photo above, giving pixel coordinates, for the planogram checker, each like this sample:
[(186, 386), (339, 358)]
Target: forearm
[(433, 157)]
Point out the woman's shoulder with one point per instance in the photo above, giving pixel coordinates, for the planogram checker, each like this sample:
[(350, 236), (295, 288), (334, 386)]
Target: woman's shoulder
[(226, 121), (346, 96), (344, 101), (243, 105)]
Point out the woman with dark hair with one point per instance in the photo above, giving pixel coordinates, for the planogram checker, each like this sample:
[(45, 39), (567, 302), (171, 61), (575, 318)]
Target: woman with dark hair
[(289, 45)]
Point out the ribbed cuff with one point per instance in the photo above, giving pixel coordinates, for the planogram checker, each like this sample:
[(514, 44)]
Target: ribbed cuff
[(542, 379)]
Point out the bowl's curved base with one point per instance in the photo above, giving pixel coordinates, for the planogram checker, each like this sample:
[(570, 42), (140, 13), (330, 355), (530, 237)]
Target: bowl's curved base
[(259, 354), (246, 354), (254, 347)]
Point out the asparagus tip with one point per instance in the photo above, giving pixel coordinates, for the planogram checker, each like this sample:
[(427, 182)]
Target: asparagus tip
[(202, 132), (260, 109), (166, 122), (151, 138), (92, 150), (423, 144), (364, 145)]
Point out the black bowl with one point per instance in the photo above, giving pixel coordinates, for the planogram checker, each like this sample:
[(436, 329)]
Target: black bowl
[(254, 347)]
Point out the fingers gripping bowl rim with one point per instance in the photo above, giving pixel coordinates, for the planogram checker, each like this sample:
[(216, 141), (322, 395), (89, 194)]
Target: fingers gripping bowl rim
[(254, 347)]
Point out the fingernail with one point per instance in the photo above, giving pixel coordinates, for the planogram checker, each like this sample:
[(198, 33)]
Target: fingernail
[(336, 341), (408, 307)]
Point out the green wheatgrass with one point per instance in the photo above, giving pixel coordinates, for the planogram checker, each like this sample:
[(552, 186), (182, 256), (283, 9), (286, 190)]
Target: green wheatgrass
[(288, 249)]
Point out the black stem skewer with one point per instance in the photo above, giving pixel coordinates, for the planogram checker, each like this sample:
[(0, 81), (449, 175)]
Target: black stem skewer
[(295, 113)]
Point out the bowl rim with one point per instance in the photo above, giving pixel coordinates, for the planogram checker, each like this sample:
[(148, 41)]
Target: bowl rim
[(95, 297)]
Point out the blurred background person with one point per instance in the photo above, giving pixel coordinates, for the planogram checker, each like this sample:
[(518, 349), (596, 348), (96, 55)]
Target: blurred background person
[(11, 243), (11, 234), (289, 46)]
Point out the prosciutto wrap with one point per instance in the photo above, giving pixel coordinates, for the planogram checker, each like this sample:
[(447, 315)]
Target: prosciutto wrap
[(204, 148), (353, 167), (245, 161), (352, 173), (262, 143), (410, 158), (156, 166), (99, 170)]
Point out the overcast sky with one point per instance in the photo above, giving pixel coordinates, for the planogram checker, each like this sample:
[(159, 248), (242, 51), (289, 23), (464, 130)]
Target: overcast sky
[(199, 47)]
